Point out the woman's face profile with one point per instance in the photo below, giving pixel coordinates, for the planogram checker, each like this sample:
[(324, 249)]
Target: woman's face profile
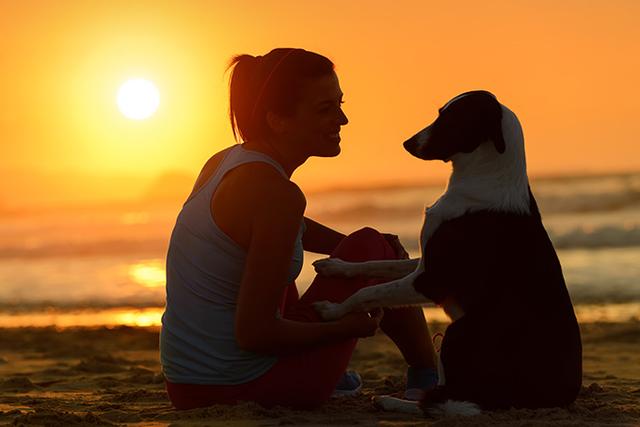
[(314, 128)]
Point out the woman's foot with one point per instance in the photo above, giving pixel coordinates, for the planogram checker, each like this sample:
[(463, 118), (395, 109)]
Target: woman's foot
[(350, 384)]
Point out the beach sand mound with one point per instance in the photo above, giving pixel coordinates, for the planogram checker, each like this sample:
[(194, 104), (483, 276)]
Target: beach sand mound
[(17, 384), (107, 377)]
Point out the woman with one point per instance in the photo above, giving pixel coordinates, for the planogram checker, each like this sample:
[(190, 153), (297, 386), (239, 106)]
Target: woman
[(234, 328)]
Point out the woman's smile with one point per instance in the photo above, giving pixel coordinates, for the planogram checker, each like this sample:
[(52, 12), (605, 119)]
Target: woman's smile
[(333, 137)]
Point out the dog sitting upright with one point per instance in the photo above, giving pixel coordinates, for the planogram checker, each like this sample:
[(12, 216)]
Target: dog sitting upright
[(487, 259)]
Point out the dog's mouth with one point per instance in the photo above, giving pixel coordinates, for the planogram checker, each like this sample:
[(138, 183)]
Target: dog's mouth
[(410, 145), (425, 146), (416, 147), (418, 143)]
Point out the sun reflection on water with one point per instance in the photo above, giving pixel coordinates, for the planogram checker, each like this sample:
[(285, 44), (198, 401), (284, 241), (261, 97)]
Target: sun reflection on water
[(142, 318), (126, 316), (150, 274), (151, 316)]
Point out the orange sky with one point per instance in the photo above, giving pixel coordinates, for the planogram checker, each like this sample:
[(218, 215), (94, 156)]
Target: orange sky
[(569, 70)]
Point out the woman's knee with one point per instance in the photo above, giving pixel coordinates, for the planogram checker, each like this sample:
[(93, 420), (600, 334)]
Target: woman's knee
[(365, 244)]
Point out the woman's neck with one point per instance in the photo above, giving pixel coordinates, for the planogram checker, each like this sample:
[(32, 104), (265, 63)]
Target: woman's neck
[(288, 162)]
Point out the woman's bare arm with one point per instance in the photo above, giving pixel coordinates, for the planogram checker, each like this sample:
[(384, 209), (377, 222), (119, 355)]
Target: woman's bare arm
[(319, 238), (279, 207)]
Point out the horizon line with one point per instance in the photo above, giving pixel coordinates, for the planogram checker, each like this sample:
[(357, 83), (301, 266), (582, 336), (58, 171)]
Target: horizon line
[(145, 197)]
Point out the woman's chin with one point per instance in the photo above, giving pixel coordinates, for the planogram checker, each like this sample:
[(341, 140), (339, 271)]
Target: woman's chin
[(332, 151), (331, 146), (326, 150)]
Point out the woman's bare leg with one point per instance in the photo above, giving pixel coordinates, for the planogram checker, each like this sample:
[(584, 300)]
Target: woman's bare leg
[(408, 329), (406, 326)]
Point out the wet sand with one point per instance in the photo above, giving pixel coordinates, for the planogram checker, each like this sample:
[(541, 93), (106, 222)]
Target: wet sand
[(111, 376)]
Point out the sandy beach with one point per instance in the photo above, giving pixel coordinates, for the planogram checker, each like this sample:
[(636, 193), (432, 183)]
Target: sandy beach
[(111, 376)]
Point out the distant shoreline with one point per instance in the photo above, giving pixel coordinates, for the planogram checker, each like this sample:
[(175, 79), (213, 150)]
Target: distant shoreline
[(389, 185), (178, 193), (147, 315)]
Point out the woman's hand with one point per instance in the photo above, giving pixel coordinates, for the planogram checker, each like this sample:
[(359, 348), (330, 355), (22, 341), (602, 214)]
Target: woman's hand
[(397, 247), (362, 324)]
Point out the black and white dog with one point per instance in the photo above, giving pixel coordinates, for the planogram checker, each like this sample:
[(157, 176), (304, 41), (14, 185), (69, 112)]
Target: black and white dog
[(488, 261)]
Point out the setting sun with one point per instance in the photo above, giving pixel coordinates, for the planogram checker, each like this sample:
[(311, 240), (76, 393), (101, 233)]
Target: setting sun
[(138, 99)]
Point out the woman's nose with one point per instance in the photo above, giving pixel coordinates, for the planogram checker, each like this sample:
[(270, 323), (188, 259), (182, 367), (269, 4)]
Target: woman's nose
[(343, 120)]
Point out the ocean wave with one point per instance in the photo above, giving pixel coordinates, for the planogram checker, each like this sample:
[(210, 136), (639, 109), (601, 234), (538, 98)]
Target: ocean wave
[(579, 212), (597, 237), (80, 249), (549, 204), (554, 196), (367, 211), (582, 236), (589, 202)]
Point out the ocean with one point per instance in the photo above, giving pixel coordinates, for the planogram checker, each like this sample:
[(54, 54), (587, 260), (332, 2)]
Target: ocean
[(104, 265)]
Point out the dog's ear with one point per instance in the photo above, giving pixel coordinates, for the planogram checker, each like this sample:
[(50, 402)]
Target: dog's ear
[(495, 129), (498, 140)]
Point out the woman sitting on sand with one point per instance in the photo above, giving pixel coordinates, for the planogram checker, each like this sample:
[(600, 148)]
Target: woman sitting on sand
[(234, 328)]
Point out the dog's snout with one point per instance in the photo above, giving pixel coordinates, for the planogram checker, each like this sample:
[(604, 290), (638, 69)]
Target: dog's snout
[(411, 144)]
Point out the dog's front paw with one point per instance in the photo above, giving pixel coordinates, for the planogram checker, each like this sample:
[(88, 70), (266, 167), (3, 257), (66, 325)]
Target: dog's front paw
[(334, 267), (329, 310)]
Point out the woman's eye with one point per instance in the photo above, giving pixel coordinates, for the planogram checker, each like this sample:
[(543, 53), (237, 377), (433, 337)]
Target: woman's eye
[(330, 107)]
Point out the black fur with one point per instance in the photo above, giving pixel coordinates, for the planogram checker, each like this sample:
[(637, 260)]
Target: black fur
[(461, 127), (518, 343)]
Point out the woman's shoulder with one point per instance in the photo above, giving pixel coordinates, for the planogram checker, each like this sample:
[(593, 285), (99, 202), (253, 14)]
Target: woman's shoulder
[(263, 186), (255, 193), (209, 168), (266, 183)]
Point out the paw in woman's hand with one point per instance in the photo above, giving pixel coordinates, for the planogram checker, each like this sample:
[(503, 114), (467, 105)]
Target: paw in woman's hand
[(335, 267), (329, 310)]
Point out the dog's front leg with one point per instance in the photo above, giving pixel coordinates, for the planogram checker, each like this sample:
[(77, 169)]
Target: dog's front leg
[(382, 269), (397, 293)]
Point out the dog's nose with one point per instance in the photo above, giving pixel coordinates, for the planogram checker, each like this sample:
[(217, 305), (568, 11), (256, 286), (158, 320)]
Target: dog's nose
[(409, 144)]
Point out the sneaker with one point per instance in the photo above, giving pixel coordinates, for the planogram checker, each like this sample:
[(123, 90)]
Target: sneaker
[(350, 384), (419, 382), (416, 394)]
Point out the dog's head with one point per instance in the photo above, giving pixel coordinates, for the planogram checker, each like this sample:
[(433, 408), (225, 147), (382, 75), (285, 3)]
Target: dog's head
[(465, 122)]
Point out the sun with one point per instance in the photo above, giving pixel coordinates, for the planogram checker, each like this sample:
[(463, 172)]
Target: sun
[(138, 99)]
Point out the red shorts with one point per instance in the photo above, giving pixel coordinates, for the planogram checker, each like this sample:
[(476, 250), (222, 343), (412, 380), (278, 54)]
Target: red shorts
[(305, 379)]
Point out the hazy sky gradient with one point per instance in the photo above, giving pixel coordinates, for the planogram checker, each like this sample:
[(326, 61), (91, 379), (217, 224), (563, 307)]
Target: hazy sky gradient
[(568, 69)]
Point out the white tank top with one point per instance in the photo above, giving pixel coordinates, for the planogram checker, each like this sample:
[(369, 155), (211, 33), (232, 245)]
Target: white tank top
[(204, 269)]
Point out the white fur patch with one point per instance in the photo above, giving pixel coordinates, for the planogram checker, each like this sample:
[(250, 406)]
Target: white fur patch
[(447, 409), (484, 180)]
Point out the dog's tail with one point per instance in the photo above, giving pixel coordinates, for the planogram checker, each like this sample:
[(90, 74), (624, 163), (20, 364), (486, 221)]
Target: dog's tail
[(437, 403), (432, 409), (434, 403)]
